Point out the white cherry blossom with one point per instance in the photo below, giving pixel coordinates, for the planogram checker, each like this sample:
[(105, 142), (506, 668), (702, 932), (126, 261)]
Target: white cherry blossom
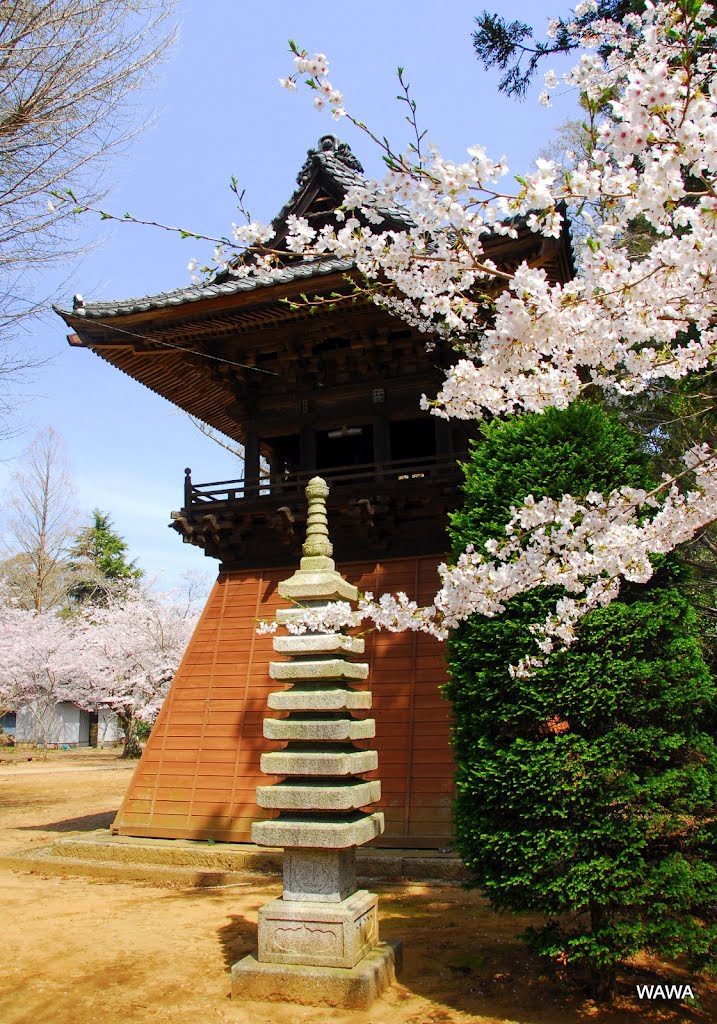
[(621, 324)]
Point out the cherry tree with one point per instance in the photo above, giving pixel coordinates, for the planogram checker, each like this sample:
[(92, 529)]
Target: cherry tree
[(40, 661), (120, 657), (649, 87), (131, 650)]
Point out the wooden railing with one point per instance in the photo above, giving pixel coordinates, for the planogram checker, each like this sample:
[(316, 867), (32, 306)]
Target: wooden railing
[(376, 476)]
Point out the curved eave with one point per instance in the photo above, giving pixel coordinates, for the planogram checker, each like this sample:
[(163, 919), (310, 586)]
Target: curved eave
[(179, 382), (172, 348), (171, 342), (290, 277)]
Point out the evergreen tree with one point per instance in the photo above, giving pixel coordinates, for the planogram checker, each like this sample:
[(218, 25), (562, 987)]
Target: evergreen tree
[(510, 46), (98, 562), (588, 791), (673, 416)]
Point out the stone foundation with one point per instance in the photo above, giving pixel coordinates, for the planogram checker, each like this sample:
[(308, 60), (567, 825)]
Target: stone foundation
[(351, 989)]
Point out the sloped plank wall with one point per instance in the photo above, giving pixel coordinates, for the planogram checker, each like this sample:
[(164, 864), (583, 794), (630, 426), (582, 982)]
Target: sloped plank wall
[(200, 768)]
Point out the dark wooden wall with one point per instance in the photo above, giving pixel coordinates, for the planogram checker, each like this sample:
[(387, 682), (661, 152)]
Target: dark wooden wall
[(198, 775)]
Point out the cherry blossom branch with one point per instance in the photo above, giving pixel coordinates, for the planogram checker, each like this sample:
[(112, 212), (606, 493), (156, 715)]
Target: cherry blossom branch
[(623, 323)]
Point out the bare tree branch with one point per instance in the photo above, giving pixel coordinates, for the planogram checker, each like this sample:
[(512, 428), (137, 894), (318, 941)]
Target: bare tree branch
[(40, 523), (70, 74)]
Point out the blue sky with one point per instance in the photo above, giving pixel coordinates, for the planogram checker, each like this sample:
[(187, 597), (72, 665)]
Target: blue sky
[(219, 111)]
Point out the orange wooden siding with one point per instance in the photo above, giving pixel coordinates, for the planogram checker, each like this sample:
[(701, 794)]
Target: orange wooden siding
[(198, 774)]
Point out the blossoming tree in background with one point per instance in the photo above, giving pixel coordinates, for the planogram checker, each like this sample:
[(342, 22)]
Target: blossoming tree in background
[(120, 657), (39, 658), (131, 650)]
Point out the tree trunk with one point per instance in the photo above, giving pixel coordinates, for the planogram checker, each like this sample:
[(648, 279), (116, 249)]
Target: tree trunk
[(604, 978), (132, 746), (605, 984)]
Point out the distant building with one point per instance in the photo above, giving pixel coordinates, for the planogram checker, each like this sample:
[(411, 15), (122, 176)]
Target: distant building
[(64, 724), (7, 723)]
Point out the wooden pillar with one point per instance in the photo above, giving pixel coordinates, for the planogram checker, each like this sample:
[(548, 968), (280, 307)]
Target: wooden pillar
[(251, 465), (444, 444), (307, 447), (381, 442)]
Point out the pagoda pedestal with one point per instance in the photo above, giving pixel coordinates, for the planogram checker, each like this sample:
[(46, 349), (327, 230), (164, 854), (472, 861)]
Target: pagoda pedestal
[(318, 943)]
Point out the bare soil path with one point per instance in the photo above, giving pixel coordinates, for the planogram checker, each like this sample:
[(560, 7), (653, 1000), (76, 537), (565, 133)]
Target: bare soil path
[(80, 950)]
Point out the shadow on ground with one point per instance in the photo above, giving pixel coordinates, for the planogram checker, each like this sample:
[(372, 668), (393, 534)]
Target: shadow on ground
[(237, 939), (460, 956), (85, 822)]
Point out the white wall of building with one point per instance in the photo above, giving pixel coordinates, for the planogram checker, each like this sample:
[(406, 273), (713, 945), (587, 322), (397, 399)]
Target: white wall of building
[(108, 728), (50, 724)]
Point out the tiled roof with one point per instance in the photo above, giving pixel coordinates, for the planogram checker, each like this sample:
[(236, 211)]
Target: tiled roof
[(344, 171), (211, 290), (334, 165)]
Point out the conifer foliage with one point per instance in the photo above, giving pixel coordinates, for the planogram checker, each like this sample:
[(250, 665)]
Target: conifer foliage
[(587, 791), (98, 563)]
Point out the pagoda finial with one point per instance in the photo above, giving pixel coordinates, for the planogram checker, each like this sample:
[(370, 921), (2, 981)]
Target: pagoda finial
[(317, 541), (316, 579)]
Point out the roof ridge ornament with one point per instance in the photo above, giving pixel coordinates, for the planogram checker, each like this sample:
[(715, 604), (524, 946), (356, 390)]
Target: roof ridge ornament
[(328, 144)]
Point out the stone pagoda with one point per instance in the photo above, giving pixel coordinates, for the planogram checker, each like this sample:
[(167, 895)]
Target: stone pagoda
[(319, 941)]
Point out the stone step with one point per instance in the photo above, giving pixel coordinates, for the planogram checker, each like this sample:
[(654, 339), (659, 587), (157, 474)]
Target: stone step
[(312, 796), (318, 643), (320, 730), (302, 831), (196, 862), (319, 762), (329, 699), (328, 669)]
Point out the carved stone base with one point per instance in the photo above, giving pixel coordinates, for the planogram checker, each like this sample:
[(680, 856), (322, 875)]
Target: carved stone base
[(355, 988), (319, 934)]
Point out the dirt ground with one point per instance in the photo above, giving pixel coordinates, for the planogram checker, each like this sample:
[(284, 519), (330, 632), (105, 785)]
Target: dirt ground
[(76, 950)]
